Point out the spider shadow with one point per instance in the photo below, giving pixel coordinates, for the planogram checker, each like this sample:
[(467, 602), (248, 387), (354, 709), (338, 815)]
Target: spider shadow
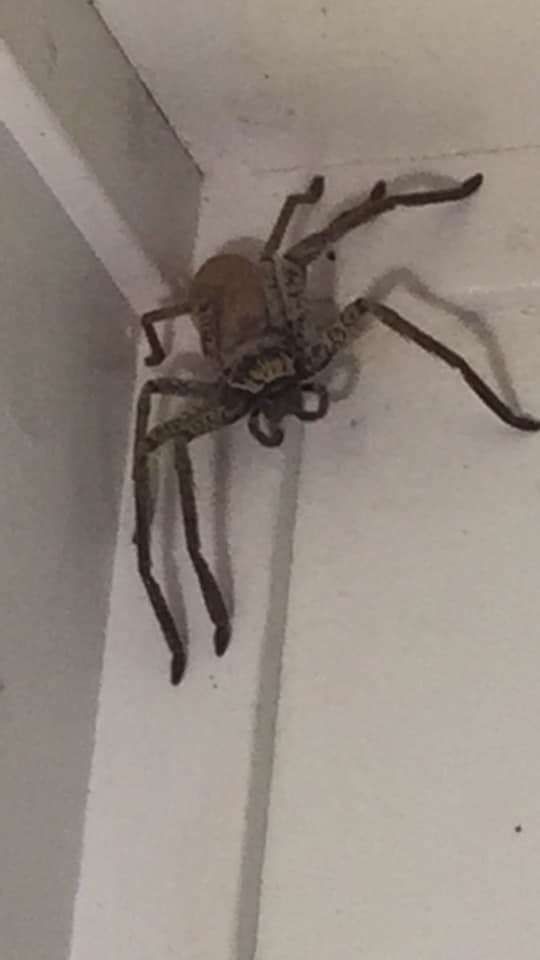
[(270, 673), (405, 182), (345, 367), (270, 669), (404, 278)]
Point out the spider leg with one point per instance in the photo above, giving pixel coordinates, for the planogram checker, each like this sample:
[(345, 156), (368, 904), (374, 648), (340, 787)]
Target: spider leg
[(409, 331), (313, 193), (293, 274), (320, 411), (144, 513), (181, 430), (273, 437), (293, 406), (378, 202), (165, 386), (157, 353), (213, 599)]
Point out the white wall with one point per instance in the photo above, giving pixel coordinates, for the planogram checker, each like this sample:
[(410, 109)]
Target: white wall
[(80, 207), (403, 816), (403, 493), (280, 85), (406, 748), (66, 381)]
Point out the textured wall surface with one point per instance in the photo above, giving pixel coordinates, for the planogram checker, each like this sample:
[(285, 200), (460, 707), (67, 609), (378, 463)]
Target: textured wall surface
[(66, 382), (278, 85), (403, 817)]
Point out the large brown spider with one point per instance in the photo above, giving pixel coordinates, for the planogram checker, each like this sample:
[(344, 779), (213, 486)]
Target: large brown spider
[(251, 319)]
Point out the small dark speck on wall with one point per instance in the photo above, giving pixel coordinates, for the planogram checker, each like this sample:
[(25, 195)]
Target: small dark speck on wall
[(353, 423), (518, 828), (331, 255)]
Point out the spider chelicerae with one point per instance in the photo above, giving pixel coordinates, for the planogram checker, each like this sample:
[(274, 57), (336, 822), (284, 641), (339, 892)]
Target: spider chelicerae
[(252, 322)]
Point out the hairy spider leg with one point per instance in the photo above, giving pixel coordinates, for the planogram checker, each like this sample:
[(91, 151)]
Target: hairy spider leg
[(157, 353), (313, 193), (289, 302), (144, 505), (181, 430), (287, 306), (390, 318), (165, 386), (351, 323), (213, 599), (378, 202), (293, 406), (143, 514)]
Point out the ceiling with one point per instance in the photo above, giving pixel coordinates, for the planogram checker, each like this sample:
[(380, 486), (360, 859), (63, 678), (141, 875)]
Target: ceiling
[(277, 86)]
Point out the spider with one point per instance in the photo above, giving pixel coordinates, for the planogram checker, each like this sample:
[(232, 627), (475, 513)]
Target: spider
[(252, 322)]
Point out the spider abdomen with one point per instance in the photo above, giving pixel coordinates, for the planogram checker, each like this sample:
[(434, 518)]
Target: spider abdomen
[(227, 305)]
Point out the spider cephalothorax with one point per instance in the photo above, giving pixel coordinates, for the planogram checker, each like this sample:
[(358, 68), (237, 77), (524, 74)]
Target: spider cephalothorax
[(252, 323)]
